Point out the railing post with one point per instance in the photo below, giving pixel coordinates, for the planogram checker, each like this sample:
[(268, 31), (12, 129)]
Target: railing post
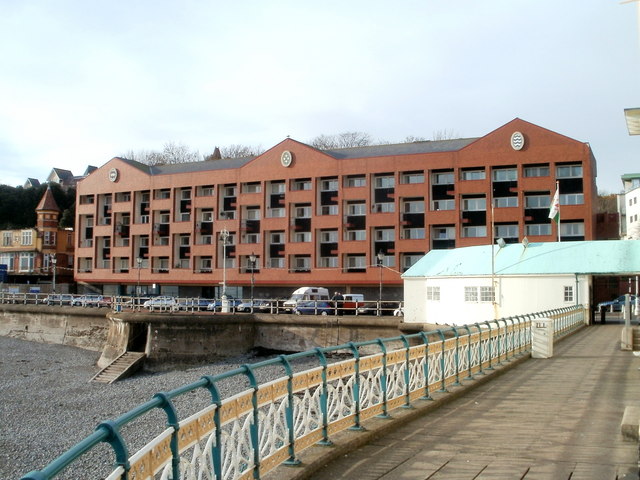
[(383, 380), (443, 375), (172, 421), (480, 359), (356, 387), (425, 339), (457, 355), (216, 450), (490, 343), (324, 404), (254, 428), (117, 443), (292, 460), (407, 373), (469, 375)]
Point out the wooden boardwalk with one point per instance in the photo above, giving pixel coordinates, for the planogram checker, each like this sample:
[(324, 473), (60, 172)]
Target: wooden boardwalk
[(556, 418)]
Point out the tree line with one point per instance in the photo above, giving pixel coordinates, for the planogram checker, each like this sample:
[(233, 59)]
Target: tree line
[(18, 205)]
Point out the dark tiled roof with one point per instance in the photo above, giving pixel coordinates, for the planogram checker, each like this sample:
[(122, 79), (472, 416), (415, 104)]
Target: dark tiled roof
[(430, 146), (202, 166)]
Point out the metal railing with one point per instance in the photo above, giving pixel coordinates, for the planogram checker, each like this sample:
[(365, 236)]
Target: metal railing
[(250, 433)]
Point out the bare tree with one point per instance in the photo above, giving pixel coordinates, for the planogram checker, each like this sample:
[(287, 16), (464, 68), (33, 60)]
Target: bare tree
[(342, 140), (446, 134), (171, 153), (607, 202), (240, 151), (412, 139)]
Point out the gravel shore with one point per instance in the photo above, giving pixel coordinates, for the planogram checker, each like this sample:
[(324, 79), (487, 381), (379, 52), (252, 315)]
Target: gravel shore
[(48, 404)]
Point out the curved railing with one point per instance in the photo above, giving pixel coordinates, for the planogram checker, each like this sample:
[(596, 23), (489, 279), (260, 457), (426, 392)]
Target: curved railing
[(250, 433)]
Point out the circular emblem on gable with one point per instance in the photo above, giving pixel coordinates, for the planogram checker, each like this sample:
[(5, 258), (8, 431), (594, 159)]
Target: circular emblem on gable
[(286, 158), (113, 174), (517, 141)]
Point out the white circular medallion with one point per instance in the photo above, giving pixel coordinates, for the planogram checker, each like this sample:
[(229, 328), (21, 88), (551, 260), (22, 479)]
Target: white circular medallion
[(517, 141), (286, 158), (113, 174)]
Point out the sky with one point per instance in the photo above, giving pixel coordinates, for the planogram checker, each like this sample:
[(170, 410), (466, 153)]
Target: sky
[(84, 81)]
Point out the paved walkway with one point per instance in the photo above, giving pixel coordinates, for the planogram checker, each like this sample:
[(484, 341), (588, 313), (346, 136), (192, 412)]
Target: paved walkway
[(556, 418)]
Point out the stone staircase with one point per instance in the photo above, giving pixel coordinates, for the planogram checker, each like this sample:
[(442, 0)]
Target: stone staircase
[(636, 340), (121, 367)]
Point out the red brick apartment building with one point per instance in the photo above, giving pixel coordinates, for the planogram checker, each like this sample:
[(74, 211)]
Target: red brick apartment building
[(323, 218)]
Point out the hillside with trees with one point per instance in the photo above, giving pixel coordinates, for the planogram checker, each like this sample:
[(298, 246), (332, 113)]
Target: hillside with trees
[(18, 205)]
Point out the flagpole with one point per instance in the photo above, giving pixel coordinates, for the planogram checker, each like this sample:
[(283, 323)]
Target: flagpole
[(559, 215)]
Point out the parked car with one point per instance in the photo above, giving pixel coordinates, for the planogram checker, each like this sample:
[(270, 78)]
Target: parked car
[(616, 304), (88, 301), (314, 307), (258, 306), (59, 299), (386, 308), (216, 305), (161, 302), (194, 304)]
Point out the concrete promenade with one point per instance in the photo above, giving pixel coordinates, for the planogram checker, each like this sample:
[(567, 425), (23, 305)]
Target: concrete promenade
[(556, 418)]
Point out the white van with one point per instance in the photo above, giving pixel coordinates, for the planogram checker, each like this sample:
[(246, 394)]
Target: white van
[(305, 293)]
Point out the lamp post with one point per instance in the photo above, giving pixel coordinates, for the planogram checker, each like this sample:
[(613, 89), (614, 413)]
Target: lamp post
[(380, 259), (252, 259), (224, 235), (139, 263), (54, 260)]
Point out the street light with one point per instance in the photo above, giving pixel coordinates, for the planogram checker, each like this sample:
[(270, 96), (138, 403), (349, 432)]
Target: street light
[(380, 259), (252, 259), (224, 235), (54, 260), (139, 262)]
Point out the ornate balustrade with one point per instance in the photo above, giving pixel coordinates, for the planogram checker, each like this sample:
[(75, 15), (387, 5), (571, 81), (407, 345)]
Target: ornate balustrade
[(250, 433)]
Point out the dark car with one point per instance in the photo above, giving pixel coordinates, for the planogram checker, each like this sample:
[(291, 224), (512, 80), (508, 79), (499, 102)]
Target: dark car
[(314, 307), (386, 308), (616, 304)]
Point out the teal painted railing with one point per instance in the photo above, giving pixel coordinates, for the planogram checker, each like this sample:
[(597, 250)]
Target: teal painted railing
[(250, 433)]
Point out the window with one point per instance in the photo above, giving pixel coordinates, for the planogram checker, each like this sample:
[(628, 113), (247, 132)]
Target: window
[(302, 211), (356, 262), (478, 174), (49, 239), (355, 235), (413, 233), (443, 233), (204, 191), (486, 294), (275, 212), (253, 214), (6, 239), (389, 207), (571, 199), (386, 181), (442, 178), (470, 294), (301, 263), (329, 185), (164, 217), (26, 261), (328, 262), (302, 237), (537, 201), (572, 229), (206, 216), (536, 171), (505, 174), (412, 177), (355, 181), (409, 259), (413, 206), (503, 202), (433, 293), (123, 197), (537, 229), (8, 260), (251, 187), (86, 199), (27, 237), (569, 171), (385, 235), (506, 231), (277, 238), (277, 187), (329, 210), (301, 184), (161, 194), (474, 204), (276, 262), (356, 209), (473, 232), (328, 236), (230, 191), (252, 238), (568, 293), (482, 294), (449, 204)]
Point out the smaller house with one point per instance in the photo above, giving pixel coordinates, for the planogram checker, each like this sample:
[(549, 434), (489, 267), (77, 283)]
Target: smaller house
[(474, 284)]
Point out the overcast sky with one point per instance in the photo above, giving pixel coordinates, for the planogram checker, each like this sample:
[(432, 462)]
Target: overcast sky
[(84, 81)]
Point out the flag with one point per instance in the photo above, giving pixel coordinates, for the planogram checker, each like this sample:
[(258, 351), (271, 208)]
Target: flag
[(554, 212)]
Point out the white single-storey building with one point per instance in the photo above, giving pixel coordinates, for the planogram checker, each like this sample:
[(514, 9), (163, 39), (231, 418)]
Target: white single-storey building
[(457, 286)]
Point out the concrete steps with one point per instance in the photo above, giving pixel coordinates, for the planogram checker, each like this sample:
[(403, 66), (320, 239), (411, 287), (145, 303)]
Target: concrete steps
[(121, 367), (636, 340)]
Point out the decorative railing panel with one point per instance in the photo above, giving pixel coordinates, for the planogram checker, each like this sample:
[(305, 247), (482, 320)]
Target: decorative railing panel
[(250, 433)]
